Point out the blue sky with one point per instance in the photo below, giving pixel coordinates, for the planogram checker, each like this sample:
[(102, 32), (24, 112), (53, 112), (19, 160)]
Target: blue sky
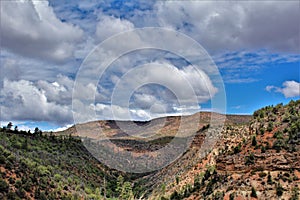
[(255, 48)]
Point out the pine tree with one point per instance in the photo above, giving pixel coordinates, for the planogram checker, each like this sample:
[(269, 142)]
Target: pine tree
[(126, 193), (120, 182), (253, 192)]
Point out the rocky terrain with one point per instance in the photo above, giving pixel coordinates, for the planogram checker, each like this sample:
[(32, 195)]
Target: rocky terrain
[(255, 160), (227, 157)]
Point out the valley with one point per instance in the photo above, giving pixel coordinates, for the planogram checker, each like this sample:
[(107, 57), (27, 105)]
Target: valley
[(244, 157)]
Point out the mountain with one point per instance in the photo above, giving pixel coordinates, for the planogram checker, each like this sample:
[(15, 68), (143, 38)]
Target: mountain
[(251, 157)]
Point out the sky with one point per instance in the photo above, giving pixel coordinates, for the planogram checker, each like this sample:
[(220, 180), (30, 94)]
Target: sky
[(239, 56)]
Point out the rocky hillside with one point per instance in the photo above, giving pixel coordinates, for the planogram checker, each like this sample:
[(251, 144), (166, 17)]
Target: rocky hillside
[(258, 160), (254, 157)]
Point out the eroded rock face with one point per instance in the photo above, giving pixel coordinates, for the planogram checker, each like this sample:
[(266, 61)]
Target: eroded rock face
[(261, 155), (269, 161)]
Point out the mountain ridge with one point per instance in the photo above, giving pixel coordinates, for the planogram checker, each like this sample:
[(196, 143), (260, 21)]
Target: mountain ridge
[(254, 157)]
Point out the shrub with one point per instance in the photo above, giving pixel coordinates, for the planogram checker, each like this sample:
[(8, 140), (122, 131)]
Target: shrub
[(16, 144), (2, 159), (197, 183), (21, 192), (18, 183), (187, 191), (126, 191), (28, 185), (177, 180), (253, 192), (175, 196), (254, 142), (249, 160), (267, 145), (269, 181), (12, 195), (262, 131), (219, 196), (237, 149), (231, 196), (263, 149), (43, 171), (40, 195), (279, 190), (270, 126), (279, 144), (278, 135), (11, 158), (262, 174), (209, 188), (3, 186), (295, 194), (57, 177), (11, 180)]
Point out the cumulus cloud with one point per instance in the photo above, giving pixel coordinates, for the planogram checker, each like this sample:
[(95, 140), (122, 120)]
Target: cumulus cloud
[(48, 101), (22, 100), (145, 92), (31, 28), (58, 91), (10, 70), (235, 25), (177, 81), (289, 89), (109, 25)]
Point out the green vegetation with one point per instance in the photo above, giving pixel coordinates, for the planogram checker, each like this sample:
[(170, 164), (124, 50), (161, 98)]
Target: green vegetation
[(231, 196), (279, 144), (295, 194), (51, 167), (3, 185), (237, 149), (279, 190), (254, 142), (269, 181), (287, 138), (37, 165), (263, 149), (253, 192), (250, 160), (177, 179), (206, 183)]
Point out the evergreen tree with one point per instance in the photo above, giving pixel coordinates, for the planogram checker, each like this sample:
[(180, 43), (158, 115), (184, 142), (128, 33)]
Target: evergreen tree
[(126, 193), (254, 142), (120, 182), (9, 125), (253, 192)]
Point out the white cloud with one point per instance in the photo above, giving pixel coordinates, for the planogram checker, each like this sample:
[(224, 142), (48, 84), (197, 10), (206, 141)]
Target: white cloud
[(31, 28), (109, 25), (269, 88), (22, 100), (49, 101), (236, 25), (160, 87), (289, 89), (148, 91), (10, 70), (34, 29), (61, 128), (58, 91)]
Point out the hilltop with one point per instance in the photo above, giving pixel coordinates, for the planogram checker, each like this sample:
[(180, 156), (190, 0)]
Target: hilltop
[(254, 157)]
